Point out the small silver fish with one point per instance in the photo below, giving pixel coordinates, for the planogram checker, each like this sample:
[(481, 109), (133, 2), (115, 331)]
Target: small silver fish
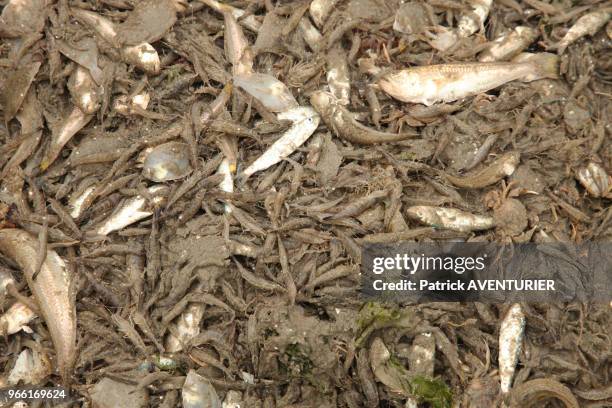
[(227, 184), (186, 327), (132, 210), (52, 288), (65, 131), (450, 218), (509, 45), (305, 122), (588, 24), (511, 335), (450, 82), (85, 93)]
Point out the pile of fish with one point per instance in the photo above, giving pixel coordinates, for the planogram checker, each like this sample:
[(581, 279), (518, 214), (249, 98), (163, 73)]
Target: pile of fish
[(186, 187)]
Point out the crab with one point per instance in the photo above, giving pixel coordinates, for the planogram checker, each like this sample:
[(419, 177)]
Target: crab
[(510, 214)]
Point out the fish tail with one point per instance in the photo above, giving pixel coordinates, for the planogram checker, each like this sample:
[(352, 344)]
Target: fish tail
[(544, 65)]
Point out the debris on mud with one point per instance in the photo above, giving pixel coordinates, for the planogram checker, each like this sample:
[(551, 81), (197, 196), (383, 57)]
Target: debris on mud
[(186, 187)]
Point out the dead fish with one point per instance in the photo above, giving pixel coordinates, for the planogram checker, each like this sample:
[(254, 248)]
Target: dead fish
[(198, 392), (30, 118), (509, 45), (63, 133), (500, 168), (227, 184), (84, 53), (249, 22), (20, 80), (344, 124), (128, 105), (532, 393), (338, 76), (132, 210), (320, 10), (272, 93), (588, 24), (304, 122), (142, 56), (471, 22), (102, 26), (76, 201), (595, 180), (53, 290), (449, 218), (85, 93), (450, 82), (16, 319), (511, 334), (148, 22), (166, 162), (236, 46)]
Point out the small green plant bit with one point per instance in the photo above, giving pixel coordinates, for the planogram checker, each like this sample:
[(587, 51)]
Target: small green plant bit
[(433, 391)]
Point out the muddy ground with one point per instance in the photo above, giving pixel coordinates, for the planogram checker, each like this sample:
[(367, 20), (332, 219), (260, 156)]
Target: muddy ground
[(253, 295)]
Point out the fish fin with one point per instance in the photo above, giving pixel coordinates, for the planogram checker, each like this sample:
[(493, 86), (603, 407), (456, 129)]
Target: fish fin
[(545, 65)]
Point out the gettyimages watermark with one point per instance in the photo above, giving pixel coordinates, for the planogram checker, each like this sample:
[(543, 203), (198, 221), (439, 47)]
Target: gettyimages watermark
[(488, 272)]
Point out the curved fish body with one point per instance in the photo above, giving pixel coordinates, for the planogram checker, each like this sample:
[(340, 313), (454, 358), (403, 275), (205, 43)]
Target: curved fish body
[(321, 9), (509, 45), (343, 123), (450, 82), (305, 122), (449, 218), (510, 339), (131, 210), (67, 129), (588, 24), (53, 290)]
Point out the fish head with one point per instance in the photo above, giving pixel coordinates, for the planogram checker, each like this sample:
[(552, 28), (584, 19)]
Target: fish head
[(419, 212)]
